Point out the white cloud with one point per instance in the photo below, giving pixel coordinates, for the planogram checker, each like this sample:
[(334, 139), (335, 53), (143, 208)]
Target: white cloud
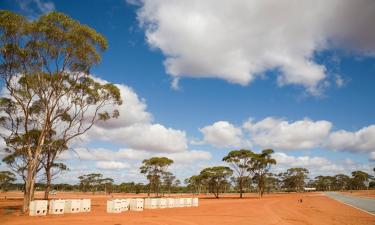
[(280, 134), (222, 134), (362, 140), (372, 156), (112, 165), (135, 128), (34, 8), (316, 165), (189, 157), (240, 40)]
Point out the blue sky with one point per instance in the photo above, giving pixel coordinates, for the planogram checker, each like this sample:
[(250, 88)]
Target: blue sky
[(320, 105)]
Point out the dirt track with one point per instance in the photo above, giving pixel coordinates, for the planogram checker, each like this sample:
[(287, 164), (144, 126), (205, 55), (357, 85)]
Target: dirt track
[(272, 209)]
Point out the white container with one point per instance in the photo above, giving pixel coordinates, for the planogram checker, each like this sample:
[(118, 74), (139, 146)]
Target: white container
[(188, 202), (181, 202), (72, 206), (114, 206), (162, 203), (38, 208), (151, 203), (125, 205), (195, 202), (176, 202), (170, 203), (136, 204), (56, 206), (85, 205)]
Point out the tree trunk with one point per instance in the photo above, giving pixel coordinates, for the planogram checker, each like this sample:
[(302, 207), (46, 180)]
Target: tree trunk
[(28, 194), (48, 182), (240, 184)]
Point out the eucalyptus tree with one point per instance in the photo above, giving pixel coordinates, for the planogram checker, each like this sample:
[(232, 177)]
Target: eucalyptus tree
[(6, 178), (359, 178), (168, 180), (94, 182), (216, 178), (154, 168), (239, 161), (195, 182), (44, 67), (259, 165), (294, 178)]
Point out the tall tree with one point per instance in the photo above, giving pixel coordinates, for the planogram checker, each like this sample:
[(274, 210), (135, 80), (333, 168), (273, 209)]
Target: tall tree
[(44, 66), (216, 178), (94, 182), (154, 168), (238, 160), (6, 178), (359, 178), (195, 182), (259, 165), (294, 178)]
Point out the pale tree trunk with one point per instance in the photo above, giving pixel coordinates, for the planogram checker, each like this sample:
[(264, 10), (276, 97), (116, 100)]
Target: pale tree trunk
[(240, 184), (28, 194), (48, 180)]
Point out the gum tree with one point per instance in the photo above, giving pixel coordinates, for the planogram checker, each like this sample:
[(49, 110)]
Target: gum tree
[(216, 178), (44, 67), (238, 160), (154, 168), (259, 165)]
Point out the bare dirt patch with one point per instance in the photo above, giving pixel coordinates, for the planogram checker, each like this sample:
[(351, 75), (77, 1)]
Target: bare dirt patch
[(272, 209)]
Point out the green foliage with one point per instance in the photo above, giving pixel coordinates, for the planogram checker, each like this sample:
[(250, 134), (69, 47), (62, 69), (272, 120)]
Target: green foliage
[(154, 168), (44, 66), (294, 179), (239, 161), (259, 165), (216, 178), (94, 182), (6, 178)]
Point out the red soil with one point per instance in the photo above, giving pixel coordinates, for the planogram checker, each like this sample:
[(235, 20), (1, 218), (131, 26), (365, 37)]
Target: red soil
[(277, 209)]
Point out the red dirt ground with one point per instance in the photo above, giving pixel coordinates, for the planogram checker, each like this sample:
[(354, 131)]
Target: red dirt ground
[(280, 209)]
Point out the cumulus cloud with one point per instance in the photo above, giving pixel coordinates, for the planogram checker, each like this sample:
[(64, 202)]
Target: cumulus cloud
[(240, 40), (372, 156), (222, 134), (362, 140), (280, 134), (189, 157), (112, 165), (34, 8), (135, 127)]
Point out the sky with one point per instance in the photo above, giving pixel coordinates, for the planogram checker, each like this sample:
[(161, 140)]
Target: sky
[(201, 78)]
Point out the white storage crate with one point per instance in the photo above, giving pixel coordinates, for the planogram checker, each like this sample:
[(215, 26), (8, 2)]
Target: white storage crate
[(125, 205), (85, 205), (114, 206), (181, 202), (38, 208), (176, 202), (162, 203), (72, 206), (56, 206), (151, 203), (170, 202), (188, 202), (195, 202), (136, 204)]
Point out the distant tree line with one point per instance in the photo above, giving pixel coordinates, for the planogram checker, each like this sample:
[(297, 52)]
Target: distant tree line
[(247, 172)]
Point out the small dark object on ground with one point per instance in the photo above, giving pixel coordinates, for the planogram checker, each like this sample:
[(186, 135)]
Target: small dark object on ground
[(300, 200)]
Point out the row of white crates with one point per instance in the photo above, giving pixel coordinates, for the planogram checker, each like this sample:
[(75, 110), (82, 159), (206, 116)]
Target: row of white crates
[(39, 207), (138, 204)]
